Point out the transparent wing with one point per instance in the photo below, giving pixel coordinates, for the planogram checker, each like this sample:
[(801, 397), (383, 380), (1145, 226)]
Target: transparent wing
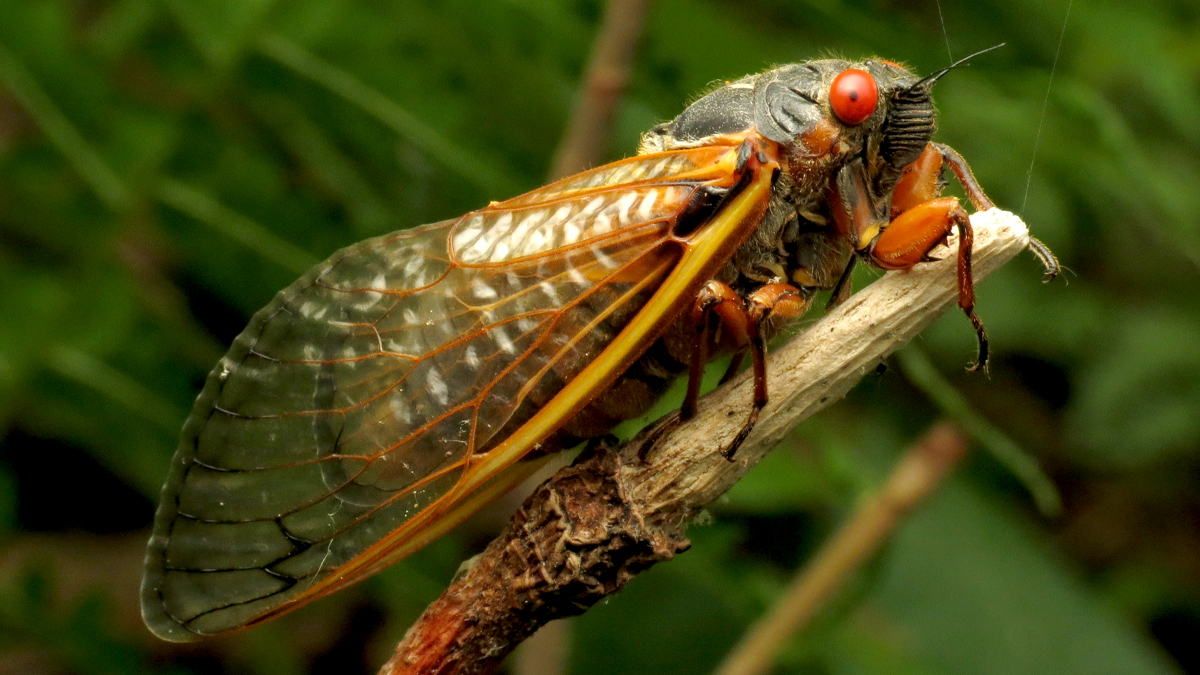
[(362, 393)]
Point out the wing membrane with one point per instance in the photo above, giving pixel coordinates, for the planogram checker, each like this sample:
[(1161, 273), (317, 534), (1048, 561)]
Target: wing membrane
[(370, 389)]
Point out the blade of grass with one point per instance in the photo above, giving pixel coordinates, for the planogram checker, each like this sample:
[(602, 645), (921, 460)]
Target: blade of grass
[(66, 138), (234, 225), (603, 85), (916, 476), (319, 155), (81, 367), (917, 367), (493, 180), (112, 191)]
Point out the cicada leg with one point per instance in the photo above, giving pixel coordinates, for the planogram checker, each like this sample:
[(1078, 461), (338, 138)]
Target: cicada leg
[(918, 222), (844, 286), (981, 203), (743, 320), (715, 300), (908, 239)]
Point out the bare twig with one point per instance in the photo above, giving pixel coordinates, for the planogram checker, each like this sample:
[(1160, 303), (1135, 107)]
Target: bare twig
[(594, 525), (603, 83), (915, 476)]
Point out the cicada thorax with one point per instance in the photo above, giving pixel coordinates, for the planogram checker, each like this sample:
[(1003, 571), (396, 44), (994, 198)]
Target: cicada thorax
[(802, 240)]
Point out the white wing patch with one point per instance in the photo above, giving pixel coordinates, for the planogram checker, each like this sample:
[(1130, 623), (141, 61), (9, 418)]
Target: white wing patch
[(500, 236), (437, 387)]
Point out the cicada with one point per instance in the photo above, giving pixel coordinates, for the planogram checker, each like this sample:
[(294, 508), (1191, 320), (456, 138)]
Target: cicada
[(396, 387)]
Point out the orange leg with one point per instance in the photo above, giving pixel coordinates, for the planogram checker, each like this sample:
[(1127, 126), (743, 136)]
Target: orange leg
[(908, 239), (918, 221), (920, 181), (965, 176), (742, 319), (719, 299), (981, 202)]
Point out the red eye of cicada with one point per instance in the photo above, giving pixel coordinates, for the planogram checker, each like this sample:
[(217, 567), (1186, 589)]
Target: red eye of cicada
[(853, 96)]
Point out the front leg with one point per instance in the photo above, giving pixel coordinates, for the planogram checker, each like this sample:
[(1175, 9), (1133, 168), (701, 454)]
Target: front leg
[(914, 222), (920, 182), (909, 238)]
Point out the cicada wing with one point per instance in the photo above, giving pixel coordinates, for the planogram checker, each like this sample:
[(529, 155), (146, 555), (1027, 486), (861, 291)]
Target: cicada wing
[(369, 394)]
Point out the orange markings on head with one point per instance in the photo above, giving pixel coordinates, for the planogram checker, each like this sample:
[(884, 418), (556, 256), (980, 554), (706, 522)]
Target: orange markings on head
[(819, 140)]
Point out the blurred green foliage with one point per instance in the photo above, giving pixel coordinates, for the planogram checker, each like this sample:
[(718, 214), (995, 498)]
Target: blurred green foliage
[(166, 167)]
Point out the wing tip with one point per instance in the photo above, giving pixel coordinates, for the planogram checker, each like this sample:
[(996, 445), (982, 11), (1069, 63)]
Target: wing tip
[(154, 609)]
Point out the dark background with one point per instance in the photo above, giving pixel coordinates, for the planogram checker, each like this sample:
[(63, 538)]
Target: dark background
[(165, 167)]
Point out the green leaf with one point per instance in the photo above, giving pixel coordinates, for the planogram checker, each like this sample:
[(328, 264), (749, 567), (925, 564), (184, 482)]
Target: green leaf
[(970, 587), (1139, 397)]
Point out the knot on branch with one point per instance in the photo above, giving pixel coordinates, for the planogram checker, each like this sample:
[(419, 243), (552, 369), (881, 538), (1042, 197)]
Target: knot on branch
[(580, 538), (577, 539)]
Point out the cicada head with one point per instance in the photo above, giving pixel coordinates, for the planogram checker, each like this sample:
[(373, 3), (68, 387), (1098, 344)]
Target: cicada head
[(823, 113), (828, 112)]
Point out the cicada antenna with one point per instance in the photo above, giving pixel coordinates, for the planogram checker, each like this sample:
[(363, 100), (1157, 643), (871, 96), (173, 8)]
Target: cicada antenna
[(928, 80)]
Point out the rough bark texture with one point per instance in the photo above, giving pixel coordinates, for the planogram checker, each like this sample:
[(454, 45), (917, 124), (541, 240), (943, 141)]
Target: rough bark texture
[(584, 533), (577, 539)]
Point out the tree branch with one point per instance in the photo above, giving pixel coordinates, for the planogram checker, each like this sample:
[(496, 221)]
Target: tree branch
[(603, 84), (615, 512)]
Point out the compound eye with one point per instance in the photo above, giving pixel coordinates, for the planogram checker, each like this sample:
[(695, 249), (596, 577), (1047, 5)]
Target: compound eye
[(853, 96)]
